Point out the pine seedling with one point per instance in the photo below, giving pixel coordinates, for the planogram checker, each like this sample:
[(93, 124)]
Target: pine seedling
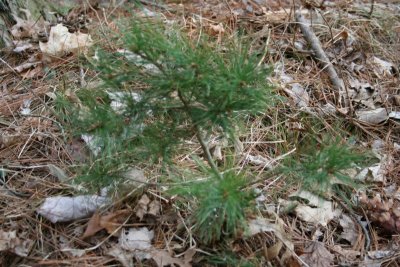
[(170, 89), (192, 89), (318, 171)]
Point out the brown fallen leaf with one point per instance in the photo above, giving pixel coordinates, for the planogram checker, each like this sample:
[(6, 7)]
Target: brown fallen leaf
[(26, 66), (142, 206), (121, 255), (62, 42), (316, 255), (154, 208), (273, 251), (189, 254), (112, 221), (217, 29), (29, 27), (349, 255), (36, 72), (350, 231), (162, 258), (9, 241), (93, 226), (109, 222)]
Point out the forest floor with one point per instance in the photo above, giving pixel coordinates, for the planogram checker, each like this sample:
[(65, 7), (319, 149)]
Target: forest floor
[(38, 153)]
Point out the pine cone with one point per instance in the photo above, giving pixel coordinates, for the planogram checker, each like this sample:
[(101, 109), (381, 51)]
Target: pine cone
[(384, 213)]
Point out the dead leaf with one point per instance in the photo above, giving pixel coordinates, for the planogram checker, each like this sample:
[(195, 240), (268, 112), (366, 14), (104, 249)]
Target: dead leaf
[(320, 215), (371, 263), (380, 254), (154, 208), (316, 255), (62, 42), (141, 208), (36, 72), (374, 116), (394, 115), (148, 13), (138, 61), (348, 255), (110, 222), (217, 29), (317, 211), (29, 28), (123, 256), (299, 95), (162, 258), (397, 99), (57, 172), (189, 254), (26, 107), (137, 240), (217, 153), (378, 146), (73, 252), (363, 93), (119, 101), (135, 177), (273, 251), (258, 160), (260, 225), (382, 67), (93, 226), (22, 47), (10, 242), (350, 232), (7, 139), (392, 191), (25, 66), (374, 173), (92, 142)]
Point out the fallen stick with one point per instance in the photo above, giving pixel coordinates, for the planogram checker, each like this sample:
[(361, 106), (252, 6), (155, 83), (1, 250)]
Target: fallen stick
[(319, 52)]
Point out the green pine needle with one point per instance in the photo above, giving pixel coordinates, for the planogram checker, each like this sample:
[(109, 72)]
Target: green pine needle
[(221, 206), (318, 170)]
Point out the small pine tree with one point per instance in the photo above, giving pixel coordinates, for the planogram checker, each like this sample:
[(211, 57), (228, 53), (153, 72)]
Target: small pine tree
[(320, 170), (169, 89)]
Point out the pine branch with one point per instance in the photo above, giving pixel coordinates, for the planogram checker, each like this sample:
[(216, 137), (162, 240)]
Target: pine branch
[(199, 137)]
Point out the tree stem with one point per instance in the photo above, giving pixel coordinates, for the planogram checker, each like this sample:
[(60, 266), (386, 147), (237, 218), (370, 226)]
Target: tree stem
[(206, 151), (199, 137)]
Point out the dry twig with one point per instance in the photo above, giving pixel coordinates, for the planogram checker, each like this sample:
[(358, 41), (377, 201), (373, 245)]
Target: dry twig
[(319, 52)]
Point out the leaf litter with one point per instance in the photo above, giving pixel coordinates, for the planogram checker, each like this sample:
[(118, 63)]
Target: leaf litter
[(359, 50)]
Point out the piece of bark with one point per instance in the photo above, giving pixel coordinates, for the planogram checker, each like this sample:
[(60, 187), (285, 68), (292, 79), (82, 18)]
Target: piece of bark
[(311, 38)]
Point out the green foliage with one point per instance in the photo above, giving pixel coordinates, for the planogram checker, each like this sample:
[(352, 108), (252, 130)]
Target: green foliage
[(321, 168), (186, 81), (222, 205), (168, 89)]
